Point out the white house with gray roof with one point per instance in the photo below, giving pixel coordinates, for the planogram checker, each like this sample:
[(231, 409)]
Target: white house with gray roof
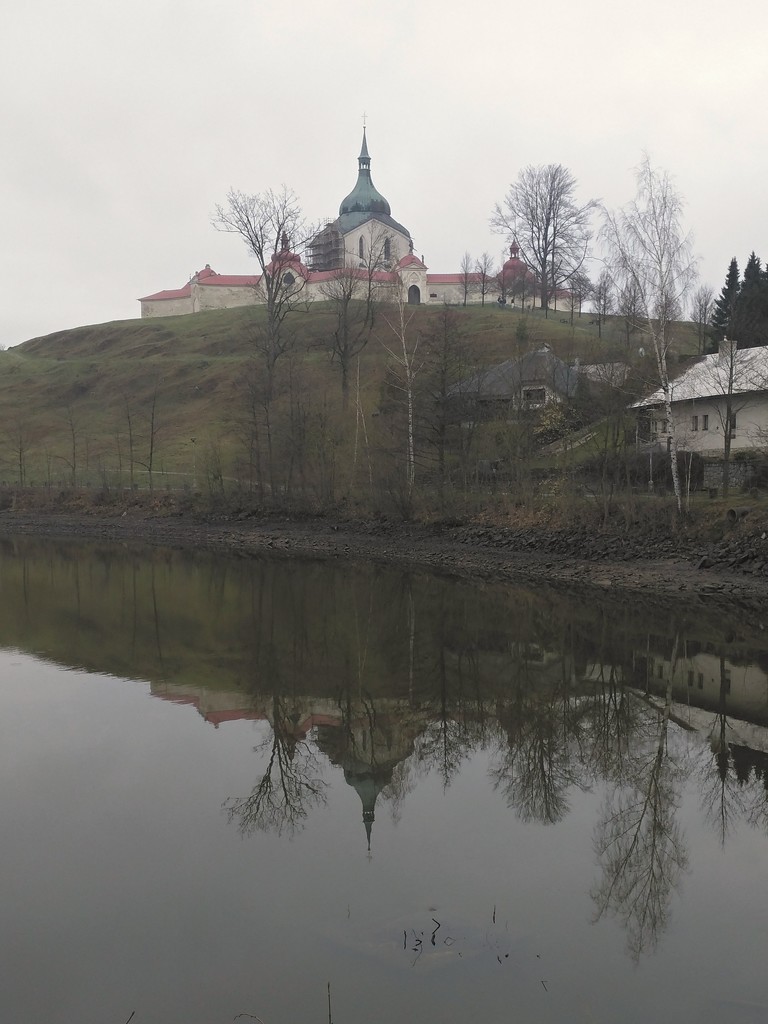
[(700, 399)]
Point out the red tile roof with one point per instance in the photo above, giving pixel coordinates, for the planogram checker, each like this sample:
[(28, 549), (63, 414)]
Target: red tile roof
[(169, 293), (451, 278), (230, 280), (410, 260), (208, 278)]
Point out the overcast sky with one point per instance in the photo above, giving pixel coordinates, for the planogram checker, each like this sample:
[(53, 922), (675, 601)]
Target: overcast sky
[(125, 124)]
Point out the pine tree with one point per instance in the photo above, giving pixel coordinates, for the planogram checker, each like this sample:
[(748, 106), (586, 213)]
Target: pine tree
[(750, 322), (725, 304)]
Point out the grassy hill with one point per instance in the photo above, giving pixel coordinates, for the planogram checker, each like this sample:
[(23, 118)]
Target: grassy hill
[(85, 406)]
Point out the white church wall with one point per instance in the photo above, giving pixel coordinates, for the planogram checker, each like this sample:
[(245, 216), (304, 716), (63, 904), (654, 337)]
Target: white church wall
[(223, 296), (452, 293), (373, 232), (166, 307)]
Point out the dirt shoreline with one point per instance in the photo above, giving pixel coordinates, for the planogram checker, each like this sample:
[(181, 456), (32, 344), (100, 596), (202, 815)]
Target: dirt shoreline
[(491, 554)]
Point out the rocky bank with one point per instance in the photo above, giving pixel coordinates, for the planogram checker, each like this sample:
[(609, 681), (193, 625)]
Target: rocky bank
[(716, 556)]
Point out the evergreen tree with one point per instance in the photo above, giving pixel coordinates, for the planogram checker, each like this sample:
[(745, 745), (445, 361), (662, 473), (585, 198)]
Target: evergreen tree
[(725, 304), (750, 323)]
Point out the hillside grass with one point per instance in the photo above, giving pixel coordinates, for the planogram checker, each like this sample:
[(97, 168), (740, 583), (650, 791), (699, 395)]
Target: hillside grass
[(67, 397)]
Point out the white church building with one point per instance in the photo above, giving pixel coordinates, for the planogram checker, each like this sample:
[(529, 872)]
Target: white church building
[(366, 238)]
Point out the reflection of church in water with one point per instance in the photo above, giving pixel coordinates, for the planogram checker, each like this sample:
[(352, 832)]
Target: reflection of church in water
[(723, 697), (369, 747), (367, 742)]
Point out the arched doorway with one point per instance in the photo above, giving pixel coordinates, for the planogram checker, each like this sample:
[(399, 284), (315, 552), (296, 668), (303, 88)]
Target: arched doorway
[(414, 295)]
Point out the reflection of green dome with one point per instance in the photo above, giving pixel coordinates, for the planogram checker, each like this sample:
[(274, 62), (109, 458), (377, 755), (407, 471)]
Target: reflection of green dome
[(364, 197), (368, 783)]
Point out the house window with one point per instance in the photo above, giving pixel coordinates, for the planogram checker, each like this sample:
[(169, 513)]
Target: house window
[(659, 427), (660, 670), (727, 680), (701, 680), (694, 422), (690, 677), (705, 422), (733, 424), (534, 396)]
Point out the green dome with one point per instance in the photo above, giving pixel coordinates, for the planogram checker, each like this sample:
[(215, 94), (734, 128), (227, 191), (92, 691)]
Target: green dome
[(364, 198)]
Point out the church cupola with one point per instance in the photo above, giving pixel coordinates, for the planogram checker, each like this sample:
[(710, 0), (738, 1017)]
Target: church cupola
[(364, 198)]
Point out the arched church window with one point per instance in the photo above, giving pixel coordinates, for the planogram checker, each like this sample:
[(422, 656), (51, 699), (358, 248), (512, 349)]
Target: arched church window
[(361, 248), (387, 250), (288, 280)]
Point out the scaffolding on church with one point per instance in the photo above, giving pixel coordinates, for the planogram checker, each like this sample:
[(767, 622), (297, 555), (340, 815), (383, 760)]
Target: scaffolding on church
[(326, 250)]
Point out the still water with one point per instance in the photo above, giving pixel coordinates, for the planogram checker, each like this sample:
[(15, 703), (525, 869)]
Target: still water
[(229, 784)]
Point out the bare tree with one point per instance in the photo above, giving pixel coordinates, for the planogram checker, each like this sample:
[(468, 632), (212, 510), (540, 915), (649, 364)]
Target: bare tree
[(153, 430), (404, 370), (702, 308), (541, 214), (484, 275), (579, 290), (628, 308), (19, 440), (603, 299), (447, 362), (353, 294), (131, 441), (275, 233), (467, 280), (72, 459), (649, 250)]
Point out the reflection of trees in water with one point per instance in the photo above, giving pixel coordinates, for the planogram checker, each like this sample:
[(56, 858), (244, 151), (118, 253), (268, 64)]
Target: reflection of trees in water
[(639, 844), (722, 798), (535, 766), (538, 759), (400, 673), (455, 715), (290, 786), (733, 782), (756, 801), (613, 724), (561, 713)]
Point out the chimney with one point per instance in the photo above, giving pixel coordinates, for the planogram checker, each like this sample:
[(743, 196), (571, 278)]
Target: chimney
[(726, 350)]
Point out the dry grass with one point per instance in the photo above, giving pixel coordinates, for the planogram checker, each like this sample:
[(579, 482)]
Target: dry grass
[(75, 390)]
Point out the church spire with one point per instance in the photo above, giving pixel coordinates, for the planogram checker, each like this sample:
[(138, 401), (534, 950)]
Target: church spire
[(364, 197)]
